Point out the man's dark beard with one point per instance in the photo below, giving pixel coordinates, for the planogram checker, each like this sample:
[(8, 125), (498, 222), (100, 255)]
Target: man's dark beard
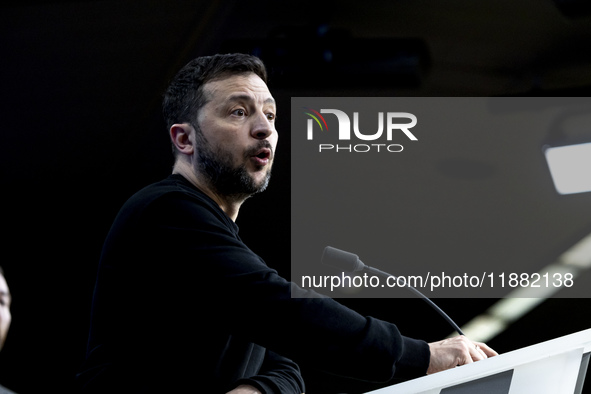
[(217, 165)]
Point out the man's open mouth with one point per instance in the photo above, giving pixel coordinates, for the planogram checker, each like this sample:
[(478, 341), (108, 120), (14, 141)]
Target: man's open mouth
[(262, 156)]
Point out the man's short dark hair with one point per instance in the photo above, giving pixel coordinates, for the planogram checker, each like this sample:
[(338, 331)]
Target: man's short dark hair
[(184, 96)]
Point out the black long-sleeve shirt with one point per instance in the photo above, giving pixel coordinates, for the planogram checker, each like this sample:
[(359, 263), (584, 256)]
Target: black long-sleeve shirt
[(182, 303)]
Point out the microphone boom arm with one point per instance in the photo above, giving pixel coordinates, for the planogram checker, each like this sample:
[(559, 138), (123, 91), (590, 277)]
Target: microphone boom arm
[(350, 262), (373, 270)]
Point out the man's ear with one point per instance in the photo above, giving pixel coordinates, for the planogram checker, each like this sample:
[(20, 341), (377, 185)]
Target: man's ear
[(181, 136)]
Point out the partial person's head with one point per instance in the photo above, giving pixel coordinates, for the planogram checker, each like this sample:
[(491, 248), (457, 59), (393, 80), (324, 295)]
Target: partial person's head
[(221, 118), (5, 316)]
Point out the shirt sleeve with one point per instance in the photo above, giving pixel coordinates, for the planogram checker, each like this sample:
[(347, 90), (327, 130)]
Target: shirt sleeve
[(263, 307), (278, 375)]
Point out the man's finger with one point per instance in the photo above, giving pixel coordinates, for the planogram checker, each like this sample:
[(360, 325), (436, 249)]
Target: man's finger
[(486, 349), (466, 360), (477, 353)]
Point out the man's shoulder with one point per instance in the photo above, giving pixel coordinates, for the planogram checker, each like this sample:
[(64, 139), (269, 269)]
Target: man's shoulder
[(172, 184), (173, 187), (172, 196)]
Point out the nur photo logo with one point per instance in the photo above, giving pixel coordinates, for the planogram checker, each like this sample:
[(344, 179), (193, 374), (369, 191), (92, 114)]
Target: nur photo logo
[(389, 125)]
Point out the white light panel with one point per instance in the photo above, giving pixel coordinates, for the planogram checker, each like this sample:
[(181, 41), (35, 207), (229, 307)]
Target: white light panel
[(570, 167)]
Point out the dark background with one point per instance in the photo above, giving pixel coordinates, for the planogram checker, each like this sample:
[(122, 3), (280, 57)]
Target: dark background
[(81, 130)]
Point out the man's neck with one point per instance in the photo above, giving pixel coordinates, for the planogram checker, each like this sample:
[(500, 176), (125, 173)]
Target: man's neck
[(229, 204)]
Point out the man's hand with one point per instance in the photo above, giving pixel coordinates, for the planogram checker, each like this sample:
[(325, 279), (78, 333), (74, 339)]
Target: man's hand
[(456, 351), (244, 389)]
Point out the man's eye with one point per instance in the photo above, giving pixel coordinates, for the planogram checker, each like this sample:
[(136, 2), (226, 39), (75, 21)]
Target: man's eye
[(239, 112), (271, 116)]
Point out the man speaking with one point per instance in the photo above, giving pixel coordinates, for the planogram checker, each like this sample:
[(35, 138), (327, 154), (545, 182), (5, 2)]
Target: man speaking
[(181, 304)]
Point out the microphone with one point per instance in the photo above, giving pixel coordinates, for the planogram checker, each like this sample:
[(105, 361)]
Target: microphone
[(350, 262)]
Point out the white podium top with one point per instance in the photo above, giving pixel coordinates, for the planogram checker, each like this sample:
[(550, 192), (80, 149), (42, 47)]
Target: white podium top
[(550, 367)]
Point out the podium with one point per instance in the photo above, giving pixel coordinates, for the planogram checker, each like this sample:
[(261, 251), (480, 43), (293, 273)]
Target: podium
[(557, 366)]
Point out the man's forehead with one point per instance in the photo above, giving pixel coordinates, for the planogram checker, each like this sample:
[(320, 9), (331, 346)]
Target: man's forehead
[(238, 87)]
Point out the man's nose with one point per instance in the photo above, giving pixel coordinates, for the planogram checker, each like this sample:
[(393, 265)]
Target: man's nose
[(262, 128)]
